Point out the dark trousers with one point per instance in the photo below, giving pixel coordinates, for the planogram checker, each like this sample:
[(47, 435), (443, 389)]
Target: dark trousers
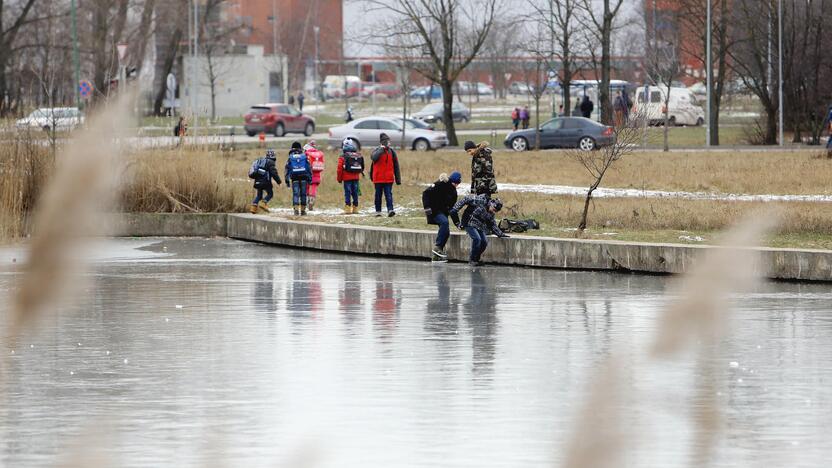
[(351, 192), (478, 243), (387, 190), (444, 230), (299, 189), (269, 192)]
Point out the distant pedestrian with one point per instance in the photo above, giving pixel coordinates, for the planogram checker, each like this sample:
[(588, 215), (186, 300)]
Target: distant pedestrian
[(525, 116), (348, 117), (298, 175), (560, 111), (515, 118), (587, 107), (828, 125), (478, 221), (350, 169), (628, 105), (181, 128), (483, 181), (316, 160), (384, 170), (618, 108), (301, 98), (263, 171), (437, 200)]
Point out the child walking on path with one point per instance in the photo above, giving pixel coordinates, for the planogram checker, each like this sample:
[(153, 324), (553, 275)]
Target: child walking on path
[(316, 160), (384, 170), (478, 220), (350, 169), (263, 171), (299, 172)]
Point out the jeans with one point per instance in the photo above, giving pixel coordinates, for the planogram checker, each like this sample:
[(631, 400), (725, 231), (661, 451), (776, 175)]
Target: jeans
[(351, 191), (299, 192), (387, 190), (269, 194), (478, 243), (444, 230)]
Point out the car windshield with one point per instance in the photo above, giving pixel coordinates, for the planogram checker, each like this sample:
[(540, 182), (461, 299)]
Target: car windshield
[(409, 124), (259, 110), (40, 113), (432, 108)]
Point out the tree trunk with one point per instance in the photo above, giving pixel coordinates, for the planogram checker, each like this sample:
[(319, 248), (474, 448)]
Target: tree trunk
[(537, 118), (604, 87), (771, 126), (173, 50), (100, 50), (448, 112), (582, 224)]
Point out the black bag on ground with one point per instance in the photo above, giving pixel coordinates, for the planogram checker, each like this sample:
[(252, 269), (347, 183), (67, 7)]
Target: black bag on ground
[(518, 225)]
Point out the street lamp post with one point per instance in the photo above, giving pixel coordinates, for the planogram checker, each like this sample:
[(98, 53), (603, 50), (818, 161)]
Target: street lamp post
[(780, 65), (708, 72), (317, 59), (195, 86)]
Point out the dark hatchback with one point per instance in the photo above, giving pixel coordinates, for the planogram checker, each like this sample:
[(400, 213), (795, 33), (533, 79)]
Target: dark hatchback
[(563, 132)]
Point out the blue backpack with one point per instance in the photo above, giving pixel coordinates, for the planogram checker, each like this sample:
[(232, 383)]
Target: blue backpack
[(297, 165), (258, 169)]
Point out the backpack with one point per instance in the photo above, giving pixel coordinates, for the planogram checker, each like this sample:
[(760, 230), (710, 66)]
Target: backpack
[(518, 225), (352, 163), (297, 164), (514, 114), (317, 164), (258, 169)]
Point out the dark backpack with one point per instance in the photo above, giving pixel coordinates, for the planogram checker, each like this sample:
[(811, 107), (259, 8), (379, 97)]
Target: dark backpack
[(297, 164), (352, 163), (518, 225), (258, 169)]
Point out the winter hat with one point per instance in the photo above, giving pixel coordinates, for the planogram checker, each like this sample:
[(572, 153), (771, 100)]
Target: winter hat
[(455, 178), (469, 145), (383, 137), (296, 145), (312, 143), (270, 153)]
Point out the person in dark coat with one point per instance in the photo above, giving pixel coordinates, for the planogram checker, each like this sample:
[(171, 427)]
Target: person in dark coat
[(482, 169), (478, 220), (437, 200), (301, 98), (587, 107), (263, 183)]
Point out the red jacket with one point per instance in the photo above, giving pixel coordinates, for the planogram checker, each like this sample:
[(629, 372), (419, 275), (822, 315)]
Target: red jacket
[(343, 175), (385, 166)]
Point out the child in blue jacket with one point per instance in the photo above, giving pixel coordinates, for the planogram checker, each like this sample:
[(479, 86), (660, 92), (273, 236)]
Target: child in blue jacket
[(298, 175)]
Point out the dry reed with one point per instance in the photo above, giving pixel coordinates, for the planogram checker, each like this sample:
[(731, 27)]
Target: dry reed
[(24, 166)]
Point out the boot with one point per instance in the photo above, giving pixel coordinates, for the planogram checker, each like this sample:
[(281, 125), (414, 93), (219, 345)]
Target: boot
[(297, 209), (303, 210), (440, 253), (355, 209), (310, 204), (252, 209), (347, 209), (263, 206)]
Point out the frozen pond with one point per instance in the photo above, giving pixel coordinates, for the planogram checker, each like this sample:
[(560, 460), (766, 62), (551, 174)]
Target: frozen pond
[(223, 353)]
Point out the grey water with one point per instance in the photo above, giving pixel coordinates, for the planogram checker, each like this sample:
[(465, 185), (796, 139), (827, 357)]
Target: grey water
[(206, 352)]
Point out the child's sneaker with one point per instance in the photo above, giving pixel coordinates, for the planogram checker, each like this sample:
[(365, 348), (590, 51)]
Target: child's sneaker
[(439, 252), (263, 206)]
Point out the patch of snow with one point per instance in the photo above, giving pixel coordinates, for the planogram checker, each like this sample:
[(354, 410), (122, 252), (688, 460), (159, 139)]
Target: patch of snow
[(692, 238)]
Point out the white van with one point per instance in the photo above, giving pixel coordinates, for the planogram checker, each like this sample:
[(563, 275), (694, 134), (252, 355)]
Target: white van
[(684, 108), (336, 86)]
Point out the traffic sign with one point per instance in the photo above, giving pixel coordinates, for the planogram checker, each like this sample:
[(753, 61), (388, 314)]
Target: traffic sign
[(85, 88), (122, 51)]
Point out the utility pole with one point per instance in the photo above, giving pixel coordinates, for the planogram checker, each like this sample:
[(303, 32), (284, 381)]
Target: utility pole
[(76, 60), (709, 83), (317, 59), (195, 87)]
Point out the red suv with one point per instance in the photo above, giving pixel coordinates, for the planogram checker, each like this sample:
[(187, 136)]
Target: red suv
[(278, 119)]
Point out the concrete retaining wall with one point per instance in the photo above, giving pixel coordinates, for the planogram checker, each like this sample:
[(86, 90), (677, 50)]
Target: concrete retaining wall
[(789, 264)]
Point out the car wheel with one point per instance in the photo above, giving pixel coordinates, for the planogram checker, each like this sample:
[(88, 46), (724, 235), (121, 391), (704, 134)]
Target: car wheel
[(464, 119), (421, 145), (279, 130), (586, 144), (47, 128), (672, 121), (700, 121), (309, 130), (251, 133), (519, 144)]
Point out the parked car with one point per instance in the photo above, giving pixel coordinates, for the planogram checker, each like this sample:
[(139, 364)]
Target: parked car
[(484, 90), (684, 108), (54, 118), (519, 88), (563, 132), (422, 92), (415, 123), (366, 131), (385, 90), (277, 119), (433, 113)]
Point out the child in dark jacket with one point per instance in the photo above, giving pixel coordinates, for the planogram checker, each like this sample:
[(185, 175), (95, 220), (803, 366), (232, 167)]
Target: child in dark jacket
[(266, 172), (350, 169), (298, 175), (437, 200), (477, 221)]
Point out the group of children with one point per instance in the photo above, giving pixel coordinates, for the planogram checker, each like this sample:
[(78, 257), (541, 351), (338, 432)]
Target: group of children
[(305, 165)]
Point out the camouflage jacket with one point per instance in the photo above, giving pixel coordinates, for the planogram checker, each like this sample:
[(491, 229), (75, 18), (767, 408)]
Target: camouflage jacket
[(482, 173)]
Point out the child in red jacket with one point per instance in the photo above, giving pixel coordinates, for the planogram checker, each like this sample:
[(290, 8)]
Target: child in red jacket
[(350, 169), (316, 160)]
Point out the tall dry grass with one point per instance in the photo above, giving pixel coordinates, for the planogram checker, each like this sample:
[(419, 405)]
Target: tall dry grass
[(25, 166)]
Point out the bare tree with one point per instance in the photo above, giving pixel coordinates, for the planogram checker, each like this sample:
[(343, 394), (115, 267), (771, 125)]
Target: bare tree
[(597, 163), (603, 25), (692, 17), (450, 33), (500, 44), (560, 21), (663, 68), (535, 69), (216, 35), (13, 18)]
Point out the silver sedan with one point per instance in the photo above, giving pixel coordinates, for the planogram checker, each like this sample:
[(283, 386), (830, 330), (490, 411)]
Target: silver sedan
[(366, 131)]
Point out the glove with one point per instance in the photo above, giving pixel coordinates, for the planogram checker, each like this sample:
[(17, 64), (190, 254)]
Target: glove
[(459, 225), (428, 211)]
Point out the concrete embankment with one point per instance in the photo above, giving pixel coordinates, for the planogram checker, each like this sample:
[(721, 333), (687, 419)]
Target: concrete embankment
[(789, 264)]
